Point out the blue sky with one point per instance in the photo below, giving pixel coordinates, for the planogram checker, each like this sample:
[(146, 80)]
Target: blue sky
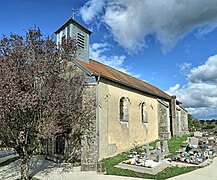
[(170, 44)]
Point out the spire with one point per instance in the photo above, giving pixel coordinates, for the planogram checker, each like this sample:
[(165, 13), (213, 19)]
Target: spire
[(73, 13)]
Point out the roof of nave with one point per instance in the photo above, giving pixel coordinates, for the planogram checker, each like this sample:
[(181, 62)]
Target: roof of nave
[(99, 69)]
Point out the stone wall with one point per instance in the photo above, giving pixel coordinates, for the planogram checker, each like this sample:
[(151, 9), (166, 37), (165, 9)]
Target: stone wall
[(179, 118), (184, 121), (175, 128), (89, 142), (164, 120), (178, 121)]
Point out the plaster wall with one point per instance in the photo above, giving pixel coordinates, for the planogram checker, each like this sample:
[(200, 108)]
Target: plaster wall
[(116, 136)]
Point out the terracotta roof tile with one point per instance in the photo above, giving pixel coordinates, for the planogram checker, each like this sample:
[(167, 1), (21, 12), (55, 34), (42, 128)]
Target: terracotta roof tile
[(105, 71)]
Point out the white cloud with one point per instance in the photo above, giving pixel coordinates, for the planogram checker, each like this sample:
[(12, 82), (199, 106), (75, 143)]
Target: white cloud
[(173, 89), (184, 68), (131, 22), (206, 72), (117, 62), (199, 96), (203, 112), (91, 9)]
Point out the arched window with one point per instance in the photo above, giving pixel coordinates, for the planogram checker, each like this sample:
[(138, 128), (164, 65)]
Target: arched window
[(124, 109), (144, 113)]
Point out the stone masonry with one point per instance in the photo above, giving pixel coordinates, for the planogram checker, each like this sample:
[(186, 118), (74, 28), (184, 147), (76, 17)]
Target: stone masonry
[(175, 124), (164, 120), (89, 142)]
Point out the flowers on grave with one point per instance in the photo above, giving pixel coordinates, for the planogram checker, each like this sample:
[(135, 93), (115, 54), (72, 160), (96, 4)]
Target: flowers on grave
[(127, 161), (139, 161), (133, 154)]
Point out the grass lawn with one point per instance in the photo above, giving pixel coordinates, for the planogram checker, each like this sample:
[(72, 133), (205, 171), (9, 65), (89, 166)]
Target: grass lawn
[(174, 145)]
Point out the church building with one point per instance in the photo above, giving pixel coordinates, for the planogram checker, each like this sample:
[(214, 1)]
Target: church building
[(129, 111)]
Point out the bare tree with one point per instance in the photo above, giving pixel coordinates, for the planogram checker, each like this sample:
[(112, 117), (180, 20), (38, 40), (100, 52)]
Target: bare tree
[(41, 93)]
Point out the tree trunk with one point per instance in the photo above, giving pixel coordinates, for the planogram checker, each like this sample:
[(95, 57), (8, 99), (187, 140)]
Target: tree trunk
[(25, 167)]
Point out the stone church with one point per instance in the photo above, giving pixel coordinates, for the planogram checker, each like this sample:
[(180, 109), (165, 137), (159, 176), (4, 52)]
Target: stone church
[(128, 110)]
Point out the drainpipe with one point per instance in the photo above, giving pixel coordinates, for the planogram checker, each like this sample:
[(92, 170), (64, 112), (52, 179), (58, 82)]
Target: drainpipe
[(97, 113)]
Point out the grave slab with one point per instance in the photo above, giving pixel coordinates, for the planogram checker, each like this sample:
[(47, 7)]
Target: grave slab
[(198, 134), (193, 141), (154, 167)]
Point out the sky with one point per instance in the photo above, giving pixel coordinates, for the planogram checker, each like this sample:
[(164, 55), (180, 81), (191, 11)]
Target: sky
[(171, 44)]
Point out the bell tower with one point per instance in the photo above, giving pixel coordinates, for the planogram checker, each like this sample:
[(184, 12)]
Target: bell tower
[(72, 29)]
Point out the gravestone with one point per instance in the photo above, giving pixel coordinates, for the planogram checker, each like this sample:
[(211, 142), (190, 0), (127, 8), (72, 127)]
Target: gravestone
[(147, 151), (158, 151), (158, 145), (211, 141), (215, 149), (165, 148), (198, 134), (193, 141)]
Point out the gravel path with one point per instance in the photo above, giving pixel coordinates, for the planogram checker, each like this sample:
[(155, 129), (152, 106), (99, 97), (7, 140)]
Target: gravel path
[(48, 170), (206, 173)]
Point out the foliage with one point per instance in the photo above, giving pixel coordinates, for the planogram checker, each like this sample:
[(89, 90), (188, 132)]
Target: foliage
[(208, 125), (136, 147), (41, 93), (193, 124), (215, 129), (198, 125)]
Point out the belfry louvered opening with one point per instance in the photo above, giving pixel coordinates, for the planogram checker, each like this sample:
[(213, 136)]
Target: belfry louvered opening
[(80, 40)]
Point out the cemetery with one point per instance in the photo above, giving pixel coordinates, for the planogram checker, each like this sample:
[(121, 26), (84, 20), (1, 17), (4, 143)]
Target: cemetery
[(148, 160), (200, 147), (198, 151)]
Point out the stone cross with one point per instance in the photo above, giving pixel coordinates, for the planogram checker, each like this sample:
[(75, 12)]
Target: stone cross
[(158, 148), (165, 147), (73, 14), (147, 151)]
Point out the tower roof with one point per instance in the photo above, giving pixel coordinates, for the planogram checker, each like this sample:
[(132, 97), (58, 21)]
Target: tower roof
[(71, 20)]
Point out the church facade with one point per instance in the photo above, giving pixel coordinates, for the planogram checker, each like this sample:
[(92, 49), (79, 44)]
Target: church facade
[(128, 110)]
